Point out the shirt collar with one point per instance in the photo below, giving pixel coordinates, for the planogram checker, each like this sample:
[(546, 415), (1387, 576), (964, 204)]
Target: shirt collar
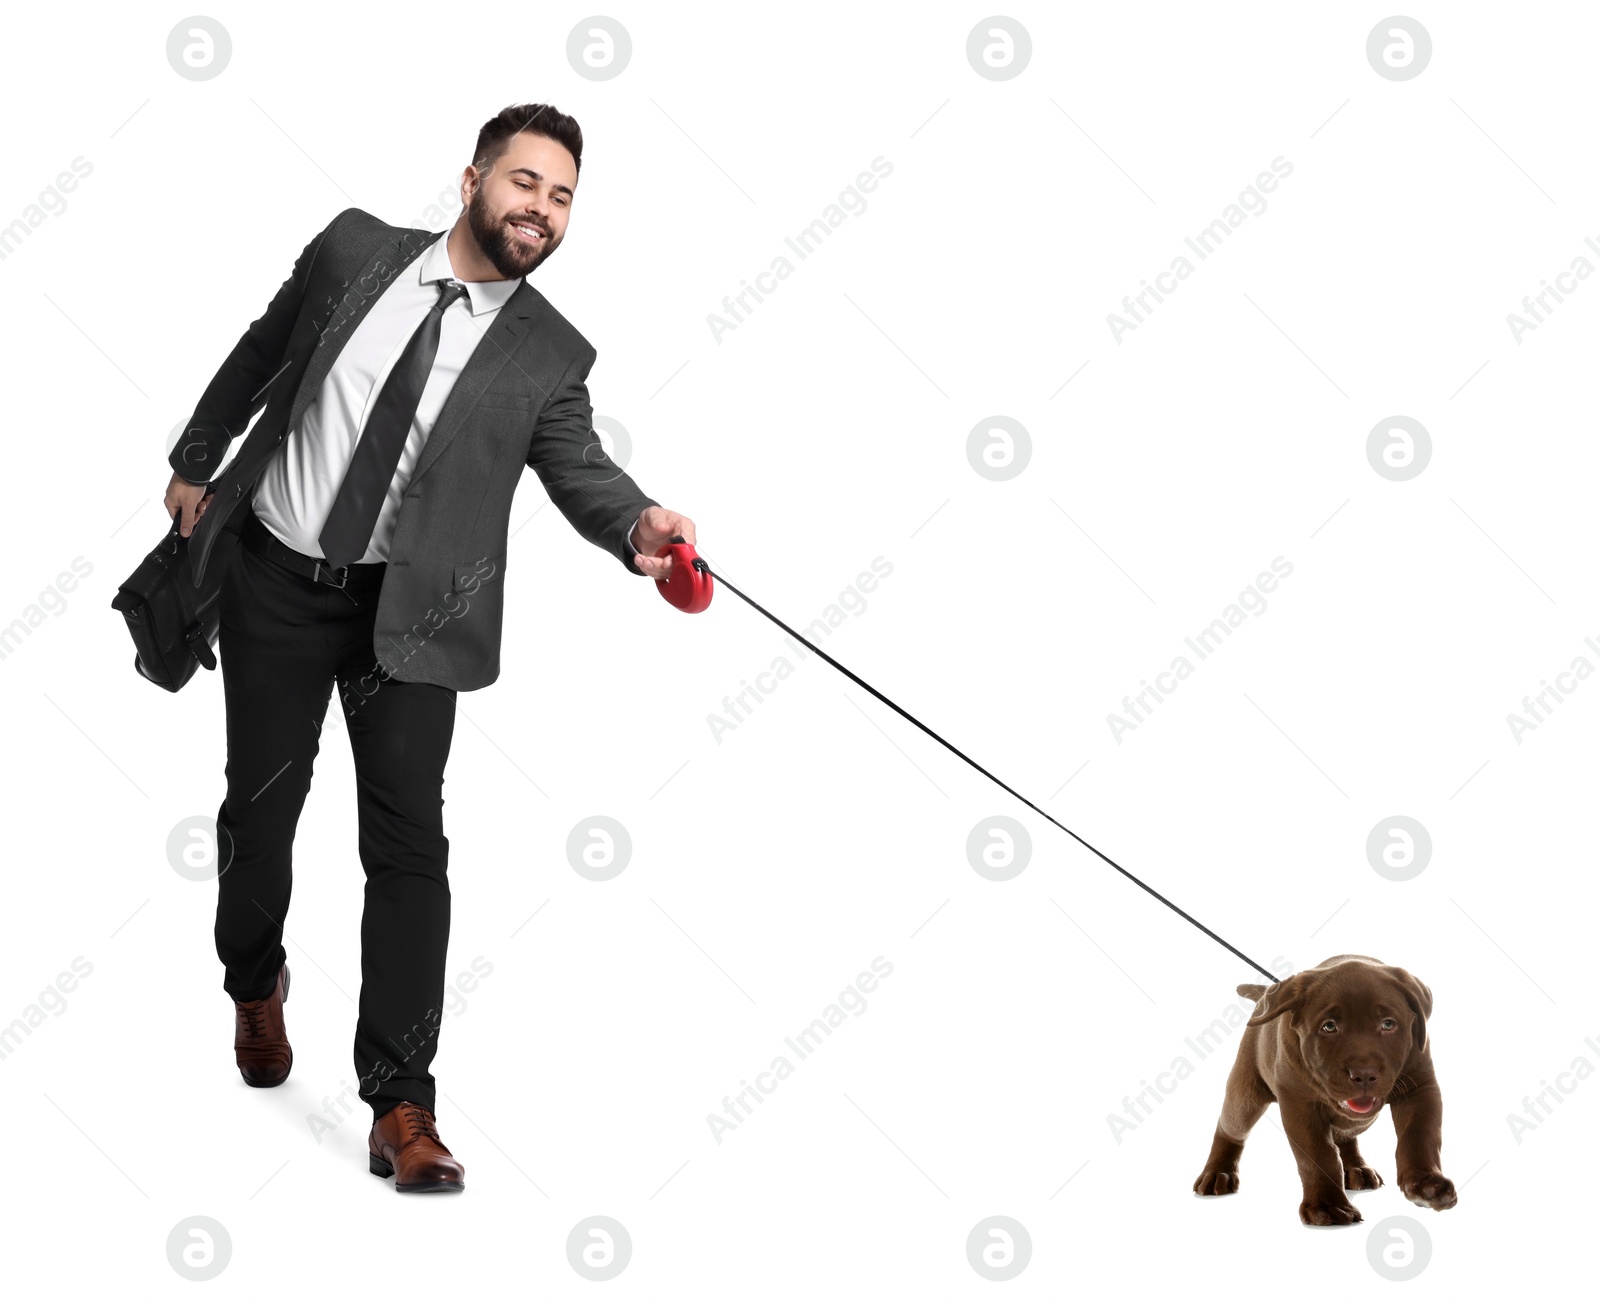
[(483, 295)]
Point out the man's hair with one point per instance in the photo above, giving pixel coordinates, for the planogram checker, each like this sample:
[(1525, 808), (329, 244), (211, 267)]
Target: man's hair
[(535, 119)]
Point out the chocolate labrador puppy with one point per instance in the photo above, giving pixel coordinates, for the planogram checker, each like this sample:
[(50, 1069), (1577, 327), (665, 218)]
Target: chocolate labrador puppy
[(1332, 1045)]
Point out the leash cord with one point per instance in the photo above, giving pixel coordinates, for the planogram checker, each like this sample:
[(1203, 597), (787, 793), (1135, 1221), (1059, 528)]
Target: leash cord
[(701, 564)]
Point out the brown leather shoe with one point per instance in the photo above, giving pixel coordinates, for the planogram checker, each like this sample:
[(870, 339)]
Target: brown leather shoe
[(404, 1141), (260, 1042)]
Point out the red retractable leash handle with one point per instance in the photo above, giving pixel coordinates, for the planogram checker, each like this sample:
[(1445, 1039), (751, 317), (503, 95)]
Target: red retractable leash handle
[(689, 587)]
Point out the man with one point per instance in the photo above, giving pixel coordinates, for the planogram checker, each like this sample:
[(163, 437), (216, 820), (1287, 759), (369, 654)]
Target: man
[(407, 379)]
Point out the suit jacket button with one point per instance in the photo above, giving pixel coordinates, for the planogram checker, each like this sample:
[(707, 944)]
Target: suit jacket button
[(238, 489)]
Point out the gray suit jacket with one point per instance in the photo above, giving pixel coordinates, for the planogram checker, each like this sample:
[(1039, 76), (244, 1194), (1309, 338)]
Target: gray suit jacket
[(520, 400)]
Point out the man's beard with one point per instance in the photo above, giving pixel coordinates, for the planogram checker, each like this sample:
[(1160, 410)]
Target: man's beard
[(511, 256)]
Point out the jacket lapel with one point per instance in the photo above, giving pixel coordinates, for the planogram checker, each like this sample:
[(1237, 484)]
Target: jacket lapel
[(392, 257), (499, 342)]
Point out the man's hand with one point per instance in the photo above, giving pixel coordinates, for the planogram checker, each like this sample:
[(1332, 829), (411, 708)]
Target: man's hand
[(191, 498), (656, 527)]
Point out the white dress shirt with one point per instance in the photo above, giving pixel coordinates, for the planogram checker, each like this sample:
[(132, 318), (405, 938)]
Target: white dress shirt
[(296, 490)]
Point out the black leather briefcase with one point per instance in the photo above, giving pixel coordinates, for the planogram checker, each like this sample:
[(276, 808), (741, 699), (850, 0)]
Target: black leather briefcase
[(173, 625)]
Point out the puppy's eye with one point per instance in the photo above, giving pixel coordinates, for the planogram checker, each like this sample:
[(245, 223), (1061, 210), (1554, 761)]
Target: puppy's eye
[(1330, 1026), (1389, 1025)]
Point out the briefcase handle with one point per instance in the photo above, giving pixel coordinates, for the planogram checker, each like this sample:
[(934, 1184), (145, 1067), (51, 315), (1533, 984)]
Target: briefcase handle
[(172, 532)]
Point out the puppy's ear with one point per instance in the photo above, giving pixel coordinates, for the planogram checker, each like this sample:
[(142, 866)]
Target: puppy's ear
[(1420, 999), (1280, 999)]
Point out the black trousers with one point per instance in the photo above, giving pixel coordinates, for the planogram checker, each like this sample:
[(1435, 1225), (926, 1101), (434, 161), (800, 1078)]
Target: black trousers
[(284, 643)]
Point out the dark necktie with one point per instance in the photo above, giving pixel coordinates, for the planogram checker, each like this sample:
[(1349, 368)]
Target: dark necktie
[(347, 532)]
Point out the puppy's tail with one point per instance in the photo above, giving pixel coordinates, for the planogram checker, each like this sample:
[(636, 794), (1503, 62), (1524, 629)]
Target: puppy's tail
[(1255, 991)]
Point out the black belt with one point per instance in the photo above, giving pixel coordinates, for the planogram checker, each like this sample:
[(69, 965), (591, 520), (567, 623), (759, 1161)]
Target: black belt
[(259, 538)]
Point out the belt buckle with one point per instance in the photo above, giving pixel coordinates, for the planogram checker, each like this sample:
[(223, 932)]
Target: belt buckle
[(343, 572)]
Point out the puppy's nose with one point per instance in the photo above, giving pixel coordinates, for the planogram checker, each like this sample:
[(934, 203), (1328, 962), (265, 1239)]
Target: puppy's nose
[(1364, 1077)]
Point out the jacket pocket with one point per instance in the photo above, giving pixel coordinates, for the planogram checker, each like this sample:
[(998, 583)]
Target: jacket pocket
[(470, 574), (505, 401)]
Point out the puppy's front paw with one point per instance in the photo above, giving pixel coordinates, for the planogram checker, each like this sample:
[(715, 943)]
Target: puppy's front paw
[(1328, 1213), (1217, 1181), (1361, 1177), (1430, 1190)]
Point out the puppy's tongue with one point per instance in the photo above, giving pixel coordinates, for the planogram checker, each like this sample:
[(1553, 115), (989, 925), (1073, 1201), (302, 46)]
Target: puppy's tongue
[(1361, 1104)]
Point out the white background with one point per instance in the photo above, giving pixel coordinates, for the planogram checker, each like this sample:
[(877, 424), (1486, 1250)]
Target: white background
[(828, 429)]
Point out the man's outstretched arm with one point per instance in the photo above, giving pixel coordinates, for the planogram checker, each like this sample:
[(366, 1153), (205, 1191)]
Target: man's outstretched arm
[(590, 489)]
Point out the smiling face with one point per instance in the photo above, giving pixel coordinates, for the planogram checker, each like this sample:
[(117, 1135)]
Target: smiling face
[(517, 208)]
